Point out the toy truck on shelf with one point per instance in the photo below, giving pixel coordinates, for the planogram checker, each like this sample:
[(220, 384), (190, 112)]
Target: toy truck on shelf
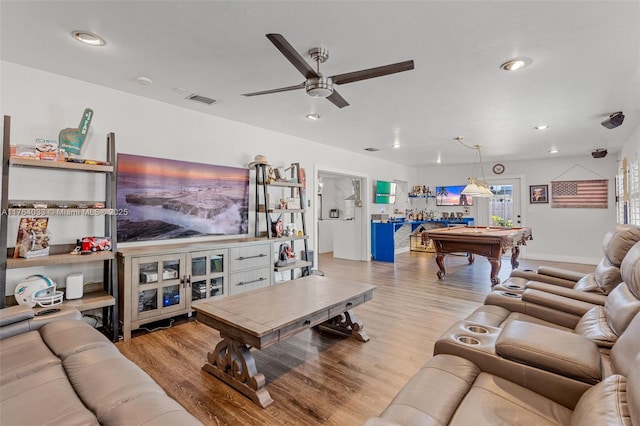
[(93, 244)]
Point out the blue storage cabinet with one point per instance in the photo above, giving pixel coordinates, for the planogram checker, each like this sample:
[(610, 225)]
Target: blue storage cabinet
[(383, 235)]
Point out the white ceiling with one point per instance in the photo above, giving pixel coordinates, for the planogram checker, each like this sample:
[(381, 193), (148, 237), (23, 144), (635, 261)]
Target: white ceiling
[(586, 65)]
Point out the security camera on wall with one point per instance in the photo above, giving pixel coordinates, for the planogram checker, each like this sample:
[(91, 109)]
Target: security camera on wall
[(614, 120)]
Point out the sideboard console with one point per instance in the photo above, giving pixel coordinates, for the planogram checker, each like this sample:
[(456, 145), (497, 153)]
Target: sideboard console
[(162, 281)]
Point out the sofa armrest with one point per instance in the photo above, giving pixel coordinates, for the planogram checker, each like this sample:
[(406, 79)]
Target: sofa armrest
[(564, 274), (567, 354), (592, 298), (14, 314), (554, 301), (15, 320), (530, 275)]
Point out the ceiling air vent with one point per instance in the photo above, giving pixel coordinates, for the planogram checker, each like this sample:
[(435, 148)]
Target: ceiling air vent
[(202, 99), (371, 149)]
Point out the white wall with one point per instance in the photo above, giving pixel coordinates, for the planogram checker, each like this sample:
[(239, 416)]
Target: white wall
[(567, 235), (631, 149), (41, 104)]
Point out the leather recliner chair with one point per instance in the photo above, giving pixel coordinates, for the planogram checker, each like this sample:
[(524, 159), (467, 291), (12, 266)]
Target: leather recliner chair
[(451, 390), (598, 284), (599, 323)]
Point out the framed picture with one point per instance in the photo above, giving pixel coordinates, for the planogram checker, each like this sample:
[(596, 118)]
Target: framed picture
[(538, 194)]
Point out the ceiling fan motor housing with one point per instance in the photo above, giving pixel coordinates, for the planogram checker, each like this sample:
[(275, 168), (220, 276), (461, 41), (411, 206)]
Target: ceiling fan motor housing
[(320, 87)]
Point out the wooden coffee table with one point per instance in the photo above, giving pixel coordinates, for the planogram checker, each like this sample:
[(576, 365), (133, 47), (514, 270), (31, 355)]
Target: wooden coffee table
[(262, 317)]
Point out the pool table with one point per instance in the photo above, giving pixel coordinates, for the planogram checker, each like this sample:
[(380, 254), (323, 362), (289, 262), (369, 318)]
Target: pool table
[(491, 242)]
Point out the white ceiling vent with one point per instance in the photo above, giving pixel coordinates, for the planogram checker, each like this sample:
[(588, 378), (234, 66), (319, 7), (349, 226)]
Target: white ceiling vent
[(202, 99), (372, 149)]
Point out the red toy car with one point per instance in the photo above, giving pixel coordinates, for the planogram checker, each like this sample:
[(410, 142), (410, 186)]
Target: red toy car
[(93, 244)]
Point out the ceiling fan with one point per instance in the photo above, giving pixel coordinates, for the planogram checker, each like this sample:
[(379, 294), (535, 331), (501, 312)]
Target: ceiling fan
[(318, 85)]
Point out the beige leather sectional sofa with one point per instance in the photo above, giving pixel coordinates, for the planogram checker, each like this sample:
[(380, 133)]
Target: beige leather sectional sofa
[(66, 373), (534, 358)]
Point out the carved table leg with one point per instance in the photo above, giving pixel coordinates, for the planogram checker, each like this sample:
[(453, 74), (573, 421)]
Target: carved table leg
[(440, 261), (471, 258), (515, 252), (346, 325), (232, 362), (496, 263)]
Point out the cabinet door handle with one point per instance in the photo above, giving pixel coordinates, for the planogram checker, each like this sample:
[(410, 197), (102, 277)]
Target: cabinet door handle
[(349, 305), (252, 281), (251, 257), (186, 280)]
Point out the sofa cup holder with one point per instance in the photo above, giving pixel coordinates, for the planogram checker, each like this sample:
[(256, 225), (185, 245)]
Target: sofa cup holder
[(513, 286), (476, 329), (468, 340), (509, 294)]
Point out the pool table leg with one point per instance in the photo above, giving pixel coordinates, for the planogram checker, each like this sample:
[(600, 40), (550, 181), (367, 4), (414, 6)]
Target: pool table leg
[(440, 261), (496, 263), (515, 252)]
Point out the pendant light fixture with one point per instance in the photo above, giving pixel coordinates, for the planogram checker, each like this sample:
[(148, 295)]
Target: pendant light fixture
[(476, 187)]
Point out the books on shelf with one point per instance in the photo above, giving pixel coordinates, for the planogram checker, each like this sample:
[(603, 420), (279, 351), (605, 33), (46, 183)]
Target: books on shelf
[(33, 240)]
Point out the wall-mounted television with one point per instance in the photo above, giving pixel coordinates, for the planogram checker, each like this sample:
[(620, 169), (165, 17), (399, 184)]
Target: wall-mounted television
[(385, 192), (164, 199), (452, 196)]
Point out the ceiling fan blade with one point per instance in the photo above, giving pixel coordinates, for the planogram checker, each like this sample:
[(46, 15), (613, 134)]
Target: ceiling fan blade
[(294, 57), (282, 89), (350, 77), (337, 100)]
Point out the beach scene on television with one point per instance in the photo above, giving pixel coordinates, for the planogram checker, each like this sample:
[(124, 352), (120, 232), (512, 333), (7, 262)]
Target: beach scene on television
[(452, 196), (165, 199)]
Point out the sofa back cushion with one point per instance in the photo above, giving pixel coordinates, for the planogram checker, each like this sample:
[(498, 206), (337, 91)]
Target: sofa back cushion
[(630, 270), (627, 348), (617, 242), (603, 404), (594, 326), (633, 391), (603, 280), (620, 307)]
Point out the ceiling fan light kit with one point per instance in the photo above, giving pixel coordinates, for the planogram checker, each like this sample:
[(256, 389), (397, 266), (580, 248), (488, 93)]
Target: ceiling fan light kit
[(317, 85), (320, 87)]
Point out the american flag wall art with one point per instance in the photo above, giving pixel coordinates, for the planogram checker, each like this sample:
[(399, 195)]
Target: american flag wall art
[(585, 194)]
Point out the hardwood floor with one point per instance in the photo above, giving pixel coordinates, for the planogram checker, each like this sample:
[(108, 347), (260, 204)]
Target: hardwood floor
[(317, 378)]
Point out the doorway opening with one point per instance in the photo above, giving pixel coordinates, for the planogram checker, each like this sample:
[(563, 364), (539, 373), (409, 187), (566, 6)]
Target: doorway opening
[(340, 214)]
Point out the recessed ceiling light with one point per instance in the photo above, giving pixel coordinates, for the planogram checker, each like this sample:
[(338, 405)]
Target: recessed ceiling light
[(541, 127), (553, 150), (88, 38), (144, 81), (313, 116), (515, 64)]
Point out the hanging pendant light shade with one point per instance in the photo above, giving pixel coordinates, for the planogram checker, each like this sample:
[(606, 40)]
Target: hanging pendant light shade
[(471, 189), (475, 187)]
